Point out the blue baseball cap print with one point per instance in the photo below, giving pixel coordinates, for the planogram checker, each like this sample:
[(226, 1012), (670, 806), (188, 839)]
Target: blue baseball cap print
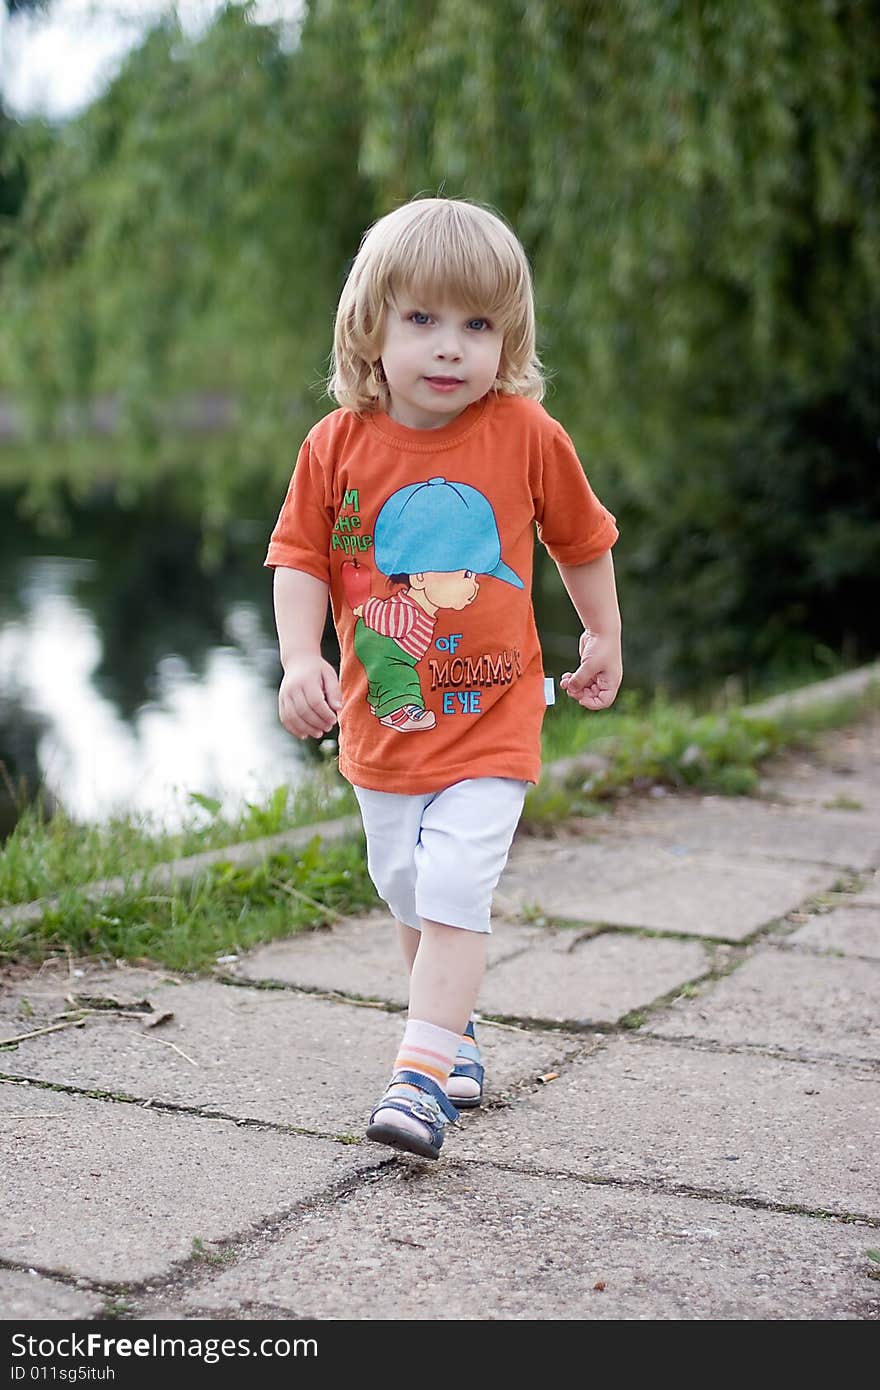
[(439, 527)]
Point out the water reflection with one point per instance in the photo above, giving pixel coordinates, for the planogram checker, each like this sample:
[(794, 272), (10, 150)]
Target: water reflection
[(123, 692), (131, 676)]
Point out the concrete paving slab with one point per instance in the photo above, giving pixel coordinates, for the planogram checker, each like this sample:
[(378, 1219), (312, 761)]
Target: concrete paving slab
[(114, 1192), (647, 1111), (547, 876), (816, 1006), (359, 957), (567, 978), (869, 896), (699, 894), (841, 770), (823, 789), (849, 839), (268, 1055), (851, 931), (465, 1244), (25, 1296), (35, 997)]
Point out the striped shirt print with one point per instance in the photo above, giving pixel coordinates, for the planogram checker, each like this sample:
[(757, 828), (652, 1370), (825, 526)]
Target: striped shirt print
[(400, 618)]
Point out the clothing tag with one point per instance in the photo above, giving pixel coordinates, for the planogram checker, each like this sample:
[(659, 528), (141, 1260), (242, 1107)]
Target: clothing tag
[(549, 691)]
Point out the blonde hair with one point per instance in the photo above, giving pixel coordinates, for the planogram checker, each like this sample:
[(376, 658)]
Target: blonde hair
[(439, 249)]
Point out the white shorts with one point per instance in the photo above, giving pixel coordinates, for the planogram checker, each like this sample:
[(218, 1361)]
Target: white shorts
[(441, 854)]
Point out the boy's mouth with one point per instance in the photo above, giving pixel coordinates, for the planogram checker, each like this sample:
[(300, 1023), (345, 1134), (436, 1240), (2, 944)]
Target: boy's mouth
[(444, 383)]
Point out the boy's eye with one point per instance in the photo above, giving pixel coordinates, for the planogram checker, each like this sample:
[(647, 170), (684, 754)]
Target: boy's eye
[(418, 317), (480, 325)]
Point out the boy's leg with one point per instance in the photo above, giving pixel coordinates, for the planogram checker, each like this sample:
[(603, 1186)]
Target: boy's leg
[(462, 1089), (444, 984), (465, 839), (447, 975), (463, 844), (408, 938)]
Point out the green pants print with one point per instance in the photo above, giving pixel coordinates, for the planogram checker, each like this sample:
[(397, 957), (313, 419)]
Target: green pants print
[(393, 681)]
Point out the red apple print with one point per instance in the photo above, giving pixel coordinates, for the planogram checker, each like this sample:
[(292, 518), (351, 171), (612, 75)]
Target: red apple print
[(355, 583)]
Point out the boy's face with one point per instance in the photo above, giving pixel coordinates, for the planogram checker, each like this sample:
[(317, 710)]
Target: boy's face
[(446, 589), (438, 359)]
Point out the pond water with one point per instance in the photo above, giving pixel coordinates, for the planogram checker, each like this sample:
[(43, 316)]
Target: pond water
[(131, 676)]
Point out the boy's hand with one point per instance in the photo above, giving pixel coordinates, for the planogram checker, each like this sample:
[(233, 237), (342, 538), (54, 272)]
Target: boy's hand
[(309, 697), (596, 681)]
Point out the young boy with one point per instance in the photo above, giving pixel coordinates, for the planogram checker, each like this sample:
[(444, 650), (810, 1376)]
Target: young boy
[(414, 507)]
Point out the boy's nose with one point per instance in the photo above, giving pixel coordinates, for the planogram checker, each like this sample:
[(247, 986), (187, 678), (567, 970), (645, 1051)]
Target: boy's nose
[(448, 348)]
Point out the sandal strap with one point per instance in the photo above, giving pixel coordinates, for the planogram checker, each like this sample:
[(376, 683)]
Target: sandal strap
[(422, 1107), (418, 1110), (430, 1087), (475, 1071), (425, 1110), (468, 1058)]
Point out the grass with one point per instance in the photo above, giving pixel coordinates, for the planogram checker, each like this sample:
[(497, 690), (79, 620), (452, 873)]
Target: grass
[(636, 746), (230, 908), (44, 857), (223, 912)]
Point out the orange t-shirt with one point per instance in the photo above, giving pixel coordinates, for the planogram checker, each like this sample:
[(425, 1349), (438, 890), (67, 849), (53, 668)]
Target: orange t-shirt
[(425, 538)]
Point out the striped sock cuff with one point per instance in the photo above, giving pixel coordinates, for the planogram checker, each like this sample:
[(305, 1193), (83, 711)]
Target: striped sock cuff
[(427, 1049)]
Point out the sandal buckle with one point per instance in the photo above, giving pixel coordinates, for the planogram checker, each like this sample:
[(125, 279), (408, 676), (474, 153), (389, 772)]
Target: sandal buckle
[(428, 1110)]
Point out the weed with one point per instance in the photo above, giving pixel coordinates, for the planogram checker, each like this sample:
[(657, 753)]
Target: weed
[(117, 1307), (532, 914), (212, 1257), (634, 1019)]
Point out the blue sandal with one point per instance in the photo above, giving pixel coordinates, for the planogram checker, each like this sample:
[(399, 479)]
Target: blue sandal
[(430, 1107), (468, 1063)]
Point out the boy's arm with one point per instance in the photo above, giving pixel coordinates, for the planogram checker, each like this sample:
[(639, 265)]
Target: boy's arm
[(593, 592), (310, 695)]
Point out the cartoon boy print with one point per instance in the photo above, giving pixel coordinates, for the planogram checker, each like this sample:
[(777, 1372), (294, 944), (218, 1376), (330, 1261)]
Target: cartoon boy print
[(434, 538)]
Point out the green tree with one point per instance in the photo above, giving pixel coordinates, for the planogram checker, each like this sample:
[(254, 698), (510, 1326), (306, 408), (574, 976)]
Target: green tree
[(187, 233), (697, 186), (12, 165)]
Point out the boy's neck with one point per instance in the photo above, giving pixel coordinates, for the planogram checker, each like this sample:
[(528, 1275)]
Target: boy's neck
[(409, 424)]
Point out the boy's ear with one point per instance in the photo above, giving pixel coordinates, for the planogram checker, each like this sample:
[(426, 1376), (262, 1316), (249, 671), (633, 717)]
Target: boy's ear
[(418, 580)]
